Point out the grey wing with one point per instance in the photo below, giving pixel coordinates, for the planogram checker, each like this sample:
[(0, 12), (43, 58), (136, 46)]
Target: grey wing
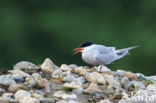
[(105, 55)]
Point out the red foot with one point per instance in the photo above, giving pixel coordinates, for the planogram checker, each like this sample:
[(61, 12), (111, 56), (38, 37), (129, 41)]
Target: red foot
[(93, 68), (100, 69)]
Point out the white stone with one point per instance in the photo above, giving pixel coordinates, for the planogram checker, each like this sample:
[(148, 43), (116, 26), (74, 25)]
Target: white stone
[(20, 94), (30, 82), (36, 76), (95, 77), (7, 100), (105, 101), (6, 81), (138, 85), (2, 91), (68, 78), (65, 67), (16, 87), (82, 71), (120, 72), (29, 100), (73, 85), (48, 66), (7, 95), (113, 82), (19, 73), (25, 65), (59, 94), (57, 73), (93, 88), (125, 82)]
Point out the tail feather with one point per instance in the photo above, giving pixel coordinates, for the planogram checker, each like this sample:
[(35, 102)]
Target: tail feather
[(122, 52), (129, 48)]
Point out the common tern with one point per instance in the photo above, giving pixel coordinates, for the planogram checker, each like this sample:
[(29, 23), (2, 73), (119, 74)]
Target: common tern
[(95, 54)]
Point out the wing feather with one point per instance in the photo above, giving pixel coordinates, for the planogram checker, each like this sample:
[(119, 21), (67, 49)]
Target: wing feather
[(105, 55)]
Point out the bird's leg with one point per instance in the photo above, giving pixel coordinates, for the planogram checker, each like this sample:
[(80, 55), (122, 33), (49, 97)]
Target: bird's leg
[(100, 69), (93, 67)]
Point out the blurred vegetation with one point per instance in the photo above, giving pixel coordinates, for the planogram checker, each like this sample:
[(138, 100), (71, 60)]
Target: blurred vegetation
[(32, 30)]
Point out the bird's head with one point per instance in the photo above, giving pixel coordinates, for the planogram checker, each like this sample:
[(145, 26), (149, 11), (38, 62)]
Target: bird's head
[(82, 47)]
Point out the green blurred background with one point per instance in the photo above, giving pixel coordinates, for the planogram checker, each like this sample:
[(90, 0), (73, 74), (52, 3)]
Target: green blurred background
[(32, 30)]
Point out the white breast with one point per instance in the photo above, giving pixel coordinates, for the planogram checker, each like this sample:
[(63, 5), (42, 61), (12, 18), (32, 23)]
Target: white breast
[(89, 57)]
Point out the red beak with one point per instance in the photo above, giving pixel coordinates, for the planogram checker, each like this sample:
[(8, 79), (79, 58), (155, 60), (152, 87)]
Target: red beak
[(77, 50)]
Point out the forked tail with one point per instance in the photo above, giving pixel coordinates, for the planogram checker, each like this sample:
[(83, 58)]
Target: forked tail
[(122, 52)]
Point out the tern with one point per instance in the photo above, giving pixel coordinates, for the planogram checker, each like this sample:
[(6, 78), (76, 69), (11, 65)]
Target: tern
[(95, 54)]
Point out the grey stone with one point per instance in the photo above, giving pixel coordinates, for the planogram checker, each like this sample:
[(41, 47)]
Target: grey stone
[(138, 85), (2, 91), (6, 81), (47, 100), (68, 78), (77, 91), (120, 72), (25, 65), (125, 82), (18, 79), (113, 82), (57, 73)]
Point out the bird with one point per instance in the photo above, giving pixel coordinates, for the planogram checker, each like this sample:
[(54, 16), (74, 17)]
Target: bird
[(96, 54)]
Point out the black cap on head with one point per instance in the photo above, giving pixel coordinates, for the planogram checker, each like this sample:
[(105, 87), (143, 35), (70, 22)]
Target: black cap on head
[(85, 44)]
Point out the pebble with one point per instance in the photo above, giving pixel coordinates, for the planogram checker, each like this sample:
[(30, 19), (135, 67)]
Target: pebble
[(130, 75), (62, 101), (19, 73), (65, 68), (73, 66), (59, 94), (151, 87), (47, 100), (105, 101), (120, 72), (29, 100), (77, 91), (7, 100), (2, 91), (48, 66), (95, 95), (72, 85), (20, 94), (95, 77), (38, 96), (82, 71), (16, 87), (125, 82), (36, 76), (118, 96), (113, 82), (43, 82), (93, 88), (10, 95), (31, 82), (40, 92), (138, 85), (25, 65), (57, 74), (18, 79), (68, 78), (6, 81)]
